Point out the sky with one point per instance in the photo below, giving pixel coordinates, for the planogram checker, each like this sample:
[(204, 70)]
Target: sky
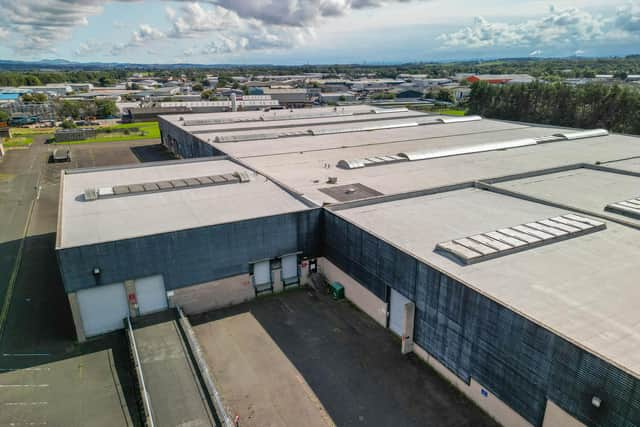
[(314, 31)]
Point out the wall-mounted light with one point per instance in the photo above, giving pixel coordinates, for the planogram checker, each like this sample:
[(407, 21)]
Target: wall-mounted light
[(596, 401), (96, 271)]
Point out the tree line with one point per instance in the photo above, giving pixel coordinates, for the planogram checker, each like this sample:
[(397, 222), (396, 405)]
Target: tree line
[(613, 107)]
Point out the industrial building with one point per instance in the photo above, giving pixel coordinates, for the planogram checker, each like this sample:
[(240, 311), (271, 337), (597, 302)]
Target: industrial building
[(503, 254)]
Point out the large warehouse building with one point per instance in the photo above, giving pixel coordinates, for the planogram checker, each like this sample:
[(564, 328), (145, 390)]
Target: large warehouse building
[(504, 254)]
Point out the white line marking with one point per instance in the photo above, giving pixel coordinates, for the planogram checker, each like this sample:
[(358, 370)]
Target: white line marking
[(25, 403), (25, 385), (25, 354)]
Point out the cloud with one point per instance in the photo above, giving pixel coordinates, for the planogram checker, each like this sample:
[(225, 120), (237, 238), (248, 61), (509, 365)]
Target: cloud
[(40, 25), (88, 48), (297, 13), (227, 32), (4, 34), (144, 34), (536, 52), (194, 20), (559, 28)]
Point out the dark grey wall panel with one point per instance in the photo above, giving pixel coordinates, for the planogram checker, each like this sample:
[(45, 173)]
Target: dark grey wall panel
[(184, 144), (515, 359), (193, 256)]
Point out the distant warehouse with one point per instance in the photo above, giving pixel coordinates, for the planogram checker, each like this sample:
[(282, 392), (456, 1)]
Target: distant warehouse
[(505, 255)]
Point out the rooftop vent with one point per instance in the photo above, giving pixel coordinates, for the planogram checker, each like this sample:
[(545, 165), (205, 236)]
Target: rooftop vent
[(389, 110), (505, 241), (570, 136), (461, 119), (630, 208), (317, 132), (91, 194)]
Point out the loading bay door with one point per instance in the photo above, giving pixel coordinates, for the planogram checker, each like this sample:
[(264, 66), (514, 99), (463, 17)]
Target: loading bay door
[(151, 294), (290, 269), (103, 308), (396, 312)]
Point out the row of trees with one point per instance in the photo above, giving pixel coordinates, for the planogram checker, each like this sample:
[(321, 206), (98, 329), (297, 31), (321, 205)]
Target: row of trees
[(82, 109), (37, 78), (613, 107)]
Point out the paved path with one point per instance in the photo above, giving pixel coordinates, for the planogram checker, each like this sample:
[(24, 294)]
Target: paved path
[(255, 378), (174, 391)]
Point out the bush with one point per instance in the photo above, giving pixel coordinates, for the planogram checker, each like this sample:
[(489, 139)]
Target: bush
[(126, 132), (68, 124)]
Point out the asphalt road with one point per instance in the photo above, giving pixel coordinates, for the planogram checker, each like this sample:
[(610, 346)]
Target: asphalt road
[(37, 338)]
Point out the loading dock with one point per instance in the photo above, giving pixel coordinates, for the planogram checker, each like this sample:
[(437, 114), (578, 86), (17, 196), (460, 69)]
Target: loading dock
[(102, 308)]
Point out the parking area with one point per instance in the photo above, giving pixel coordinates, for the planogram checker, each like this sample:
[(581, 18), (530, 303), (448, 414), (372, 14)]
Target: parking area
[(78, 391), (303, 356), (37, 340)]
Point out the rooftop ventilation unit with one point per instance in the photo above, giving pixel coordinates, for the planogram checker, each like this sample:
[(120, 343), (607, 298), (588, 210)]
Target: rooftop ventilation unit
[(462, 119), (370, 161), (150, 187), (317, 132), (505, 241), (630, 208), (448, 152), (389, 110), (570, 136)]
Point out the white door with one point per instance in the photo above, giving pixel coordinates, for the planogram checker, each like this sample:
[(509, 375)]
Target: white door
[(262, 275), (151, 294), (103, 308), (290, 268), (396, 312)]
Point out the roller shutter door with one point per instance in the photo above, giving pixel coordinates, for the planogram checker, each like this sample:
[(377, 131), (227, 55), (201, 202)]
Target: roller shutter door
[(396, 312), (151, 294), (290, 269), (262, 275), (103, 308)]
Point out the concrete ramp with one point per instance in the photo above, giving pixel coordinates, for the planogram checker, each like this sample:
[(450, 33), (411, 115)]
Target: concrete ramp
[(169, 382)]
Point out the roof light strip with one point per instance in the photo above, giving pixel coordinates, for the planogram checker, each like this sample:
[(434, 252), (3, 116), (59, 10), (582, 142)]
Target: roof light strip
[(630, 208), (92, 194), (505, 241)]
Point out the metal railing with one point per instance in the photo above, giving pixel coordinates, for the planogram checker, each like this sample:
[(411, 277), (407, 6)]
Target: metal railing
[(143, 388), (204, 370)]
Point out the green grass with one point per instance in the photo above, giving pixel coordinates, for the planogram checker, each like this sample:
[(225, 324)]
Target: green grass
[(18, 141), (149, 130), (451, 112), (32, 131)]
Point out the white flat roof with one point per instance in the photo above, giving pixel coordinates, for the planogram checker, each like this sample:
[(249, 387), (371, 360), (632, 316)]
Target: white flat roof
[(306, 163), (122, 217), (584, 289)]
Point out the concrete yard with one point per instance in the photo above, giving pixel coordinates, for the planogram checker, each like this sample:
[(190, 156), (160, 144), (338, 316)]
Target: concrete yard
[(171, 380), (302, 356), (78, 391)]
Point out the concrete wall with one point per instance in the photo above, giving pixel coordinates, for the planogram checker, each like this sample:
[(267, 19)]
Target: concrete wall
[(482, 397), (355, 292), (211, 295), (555, 416)]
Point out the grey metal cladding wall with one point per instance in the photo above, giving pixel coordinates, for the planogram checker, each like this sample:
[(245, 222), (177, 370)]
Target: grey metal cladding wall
[(193, 256), (520, 362), (185, 144)]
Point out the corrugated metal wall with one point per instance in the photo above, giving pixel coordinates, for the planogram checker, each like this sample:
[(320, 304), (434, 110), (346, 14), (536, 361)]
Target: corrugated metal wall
[(193, 256), (184, 144), (520, 362)]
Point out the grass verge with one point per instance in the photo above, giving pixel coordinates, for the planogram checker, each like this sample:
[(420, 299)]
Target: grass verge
[(18, 141), (147, 130)]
